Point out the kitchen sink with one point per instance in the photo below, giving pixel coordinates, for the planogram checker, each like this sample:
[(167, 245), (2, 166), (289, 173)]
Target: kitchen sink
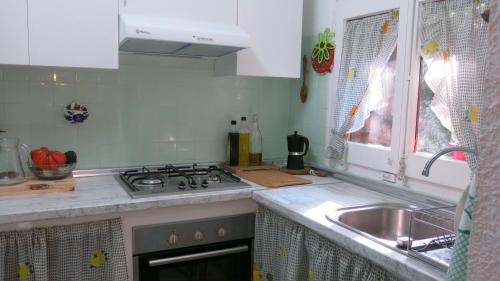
[(387, 223)]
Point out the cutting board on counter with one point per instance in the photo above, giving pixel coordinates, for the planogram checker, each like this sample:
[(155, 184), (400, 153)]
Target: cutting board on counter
[(268, 175), (36, 186)]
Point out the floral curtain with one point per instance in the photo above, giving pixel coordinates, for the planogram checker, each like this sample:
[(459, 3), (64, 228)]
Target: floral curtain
[(82, 252), (287, 251), (367, 46), (454, 46)]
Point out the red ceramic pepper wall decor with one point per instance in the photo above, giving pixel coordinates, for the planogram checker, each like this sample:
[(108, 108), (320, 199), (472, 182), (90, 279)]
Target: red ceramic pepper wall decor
[(323, 53)]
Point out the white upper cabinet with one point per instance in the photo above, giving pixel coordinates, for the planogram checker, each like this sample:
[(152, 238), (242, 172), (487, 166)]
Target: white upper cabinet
[(14, 32), (275, 28), (73, 33), (212, 11)]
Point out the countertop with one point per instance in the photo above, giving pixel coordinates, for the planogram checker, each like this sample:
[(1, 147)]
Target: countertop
[(307, 205), (96, 195)]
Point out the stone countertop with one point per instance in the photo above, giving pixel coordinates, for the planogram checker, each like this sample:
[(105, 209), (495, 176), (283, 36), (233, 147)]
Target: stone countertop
[(307, 205), (96, 195)]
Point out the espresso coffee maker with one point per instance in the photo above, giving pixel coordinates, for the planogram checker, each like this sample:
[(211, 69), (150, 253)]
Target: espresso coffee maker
[(296, 151)]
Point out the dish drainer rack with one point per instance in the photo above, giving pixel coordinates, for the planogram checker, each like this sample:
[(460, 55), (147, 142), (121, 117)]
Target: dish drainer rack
[(431, 236)]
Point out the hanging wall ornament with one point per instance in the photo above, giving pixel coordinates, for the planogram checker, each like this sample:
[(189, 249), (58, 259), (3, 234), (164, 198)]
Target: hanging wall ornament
[(76, 113), (323, 52)]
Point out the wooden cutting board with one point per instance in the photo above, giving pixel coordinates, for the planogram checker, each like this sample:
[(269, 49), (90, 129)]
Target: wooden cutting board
[(267, 175), (272, 178), (36, 186)]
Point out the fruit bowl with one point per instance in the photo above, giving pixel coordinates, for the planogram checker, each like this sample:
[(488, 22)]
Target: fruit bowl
[(51, 172)]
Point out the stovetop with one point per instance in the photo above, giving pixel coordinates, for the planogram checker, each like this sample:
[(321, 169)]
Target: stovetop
[(177, 179)]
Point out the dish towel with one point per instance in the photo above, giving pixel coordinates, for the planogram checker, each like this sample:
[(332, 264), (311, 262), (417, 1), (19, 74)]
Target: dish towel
[(458, 266), (81, 252)]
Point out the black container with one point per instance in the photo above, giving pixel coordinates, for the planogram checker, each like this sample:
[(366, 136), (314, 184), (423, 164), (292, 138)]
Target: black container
[(296, 151)]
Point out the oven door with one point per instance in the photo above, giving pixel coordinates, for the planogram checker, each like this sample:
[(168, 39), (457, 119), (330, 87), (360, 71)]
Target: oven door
[(228, 261)]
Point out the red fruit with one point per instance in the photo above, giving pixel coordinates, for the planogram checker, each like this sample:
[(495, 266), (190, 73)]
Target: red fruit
[(57, 158)]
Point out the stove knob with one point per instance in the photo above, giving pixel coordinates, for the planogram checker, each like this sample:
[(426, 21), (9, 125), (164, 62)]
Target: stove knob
[(173, 239), (221, 232), (204, 184), (182, 185), (198, 236)]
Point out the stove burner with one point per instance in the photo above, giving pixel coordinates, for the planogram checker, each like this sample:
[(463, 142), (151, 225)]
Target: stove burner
[(204, 184), (182, 185), (214, 179), (151, 181), (193, 184)]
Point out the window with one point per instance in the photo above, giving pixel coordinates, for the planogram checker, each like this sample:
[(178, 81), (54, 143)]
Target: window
[(377, 128), (408, 121)]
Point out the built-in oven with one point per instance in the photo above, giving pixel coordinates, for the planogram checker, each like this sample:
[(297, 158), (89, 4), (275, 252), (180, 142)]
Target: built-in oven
[(202, 250)]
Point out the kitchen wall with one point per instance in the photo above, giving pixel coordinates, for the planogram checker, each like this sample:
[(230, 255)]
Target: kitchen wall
[(310, 118), (152, 110)]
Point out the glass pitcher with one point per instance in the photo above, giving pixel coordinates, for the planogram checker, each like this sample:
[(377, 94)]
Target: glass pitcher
[(11, 167)]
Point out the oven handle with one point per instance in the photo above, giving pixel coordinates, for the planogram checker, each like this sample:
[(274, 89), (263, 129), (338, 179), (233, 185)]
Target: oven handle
[(197, 256)]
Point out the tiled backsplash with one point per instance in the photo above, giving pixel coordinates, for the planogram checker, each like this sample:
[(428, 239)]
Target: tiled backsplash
[(153, 110)]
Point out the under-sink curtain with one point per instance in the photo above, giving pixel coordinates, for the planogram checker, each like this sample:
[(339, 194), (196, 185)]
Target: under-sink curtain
[(367, 47), (82, 252), (287, 251), (454, 46)]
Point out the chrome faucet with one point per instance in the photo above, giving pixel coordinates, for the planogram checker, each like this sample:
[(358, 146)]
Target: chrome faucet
[(425, 171)]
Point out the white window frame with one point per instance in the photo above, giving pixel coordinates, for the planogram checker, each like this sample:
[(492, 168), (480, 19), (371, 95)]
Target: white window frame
[(445, 171), (447, 175), (380, 158)]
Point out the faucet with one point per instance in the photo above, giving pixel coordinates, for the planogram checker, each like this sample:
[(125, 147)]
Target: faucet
[(425, 171)]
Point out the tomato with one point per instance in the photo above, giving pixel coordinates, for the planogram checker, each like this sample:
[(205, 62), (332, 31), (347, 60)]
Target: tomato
[(39, 156), (38, 152), (57, 158), (42, 158)]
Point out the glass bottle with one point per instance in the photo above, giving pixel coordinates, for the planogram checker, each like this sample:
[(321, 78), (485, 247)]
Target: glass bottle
[(244, 143), (232, 144), (255, 143)]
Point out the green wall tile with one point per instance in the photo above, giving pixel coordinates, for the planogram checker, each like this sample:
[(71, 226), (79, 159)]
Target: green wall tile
[(152, 110)]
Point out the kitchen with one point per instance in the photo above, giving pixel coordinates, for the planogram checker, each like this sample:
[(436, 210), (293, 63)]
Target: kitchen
[(140, 93)]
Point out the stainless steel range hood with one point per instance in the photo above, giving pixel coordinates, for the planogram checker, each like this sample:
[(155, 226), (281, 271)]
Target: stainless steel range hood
[(161, 36)]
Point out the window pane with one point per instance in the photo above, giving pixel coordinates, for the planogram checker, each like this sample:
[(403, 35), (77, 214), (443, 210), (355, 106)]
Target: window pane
[(377, 128), (432, 136)]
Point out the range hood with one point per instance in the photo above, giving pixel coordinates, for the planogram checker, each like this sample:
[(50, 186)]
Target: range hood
[(160, 36)]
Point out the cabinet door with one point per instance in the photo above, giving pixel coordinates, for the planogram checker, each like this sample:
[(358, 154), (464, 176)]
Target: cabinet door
[(13, 32), (213, 11), (275, 28), (73, 33)]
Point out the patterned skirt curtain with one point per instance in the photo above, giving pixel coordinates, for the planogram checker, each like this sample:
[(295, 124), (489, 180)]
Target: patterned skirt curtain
[(280, 252), (82, 252), (287, 251)]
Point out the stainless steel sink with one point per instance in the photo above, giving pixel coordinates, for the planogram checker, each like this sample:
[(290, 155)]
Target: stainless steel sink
[(385, 223)]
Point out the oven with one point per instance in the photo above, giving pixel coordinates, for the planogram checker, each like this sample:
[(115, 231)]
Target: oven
[(201, 250)]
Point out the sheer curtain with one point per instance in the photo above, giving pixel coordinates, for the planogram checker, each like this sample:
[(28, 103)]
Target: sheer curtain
[(454, 46), (367, 46)]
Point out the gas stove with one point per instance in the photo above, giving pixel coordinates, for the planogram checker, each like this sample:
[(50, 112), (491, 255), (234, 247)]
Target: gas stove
[(177, 179)]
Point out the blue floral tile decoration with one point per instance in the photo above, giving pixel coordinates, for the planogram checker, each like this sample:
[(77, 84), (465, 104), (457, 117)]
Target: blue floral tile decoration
[(76, 113)]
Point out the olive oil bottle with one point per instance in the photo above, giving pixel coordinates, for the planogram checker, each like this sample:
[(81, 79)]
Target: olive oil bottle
[(244, 143), (232, 144), (255, 143)]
